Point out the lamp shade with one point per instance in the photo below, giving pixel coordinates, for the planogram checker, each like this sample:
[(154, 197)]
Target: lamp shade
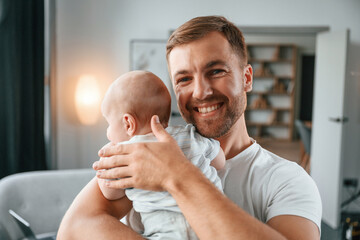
[(87, 100)]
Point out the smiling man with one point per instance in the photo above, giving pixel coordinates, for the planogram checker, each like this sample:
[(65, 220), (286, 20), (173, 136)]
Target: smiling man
[(267, 197)]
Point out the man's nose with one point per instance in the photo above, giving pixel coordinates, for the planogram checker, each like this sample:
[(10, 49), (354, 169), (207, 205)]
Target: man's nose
[(202, 88)]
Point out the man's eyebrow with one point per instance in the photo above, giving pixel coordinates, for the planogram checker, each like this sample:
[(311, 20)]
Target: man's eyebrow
[(180, 72), (214, 63)]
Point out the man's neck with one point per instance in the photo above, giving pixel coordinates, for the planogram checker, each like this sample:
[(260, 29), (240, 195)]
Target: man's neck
[(236, 140)]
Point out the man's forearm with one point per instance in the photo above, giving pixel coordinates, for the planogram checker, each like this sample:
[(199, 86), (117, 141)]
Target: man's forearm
[(211, 214), (91, 216)]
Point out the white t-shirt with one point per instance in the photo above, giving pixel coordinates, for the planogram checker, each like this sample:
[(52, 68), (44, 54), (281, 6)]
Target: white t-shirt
[(266, 185), (199, 150)]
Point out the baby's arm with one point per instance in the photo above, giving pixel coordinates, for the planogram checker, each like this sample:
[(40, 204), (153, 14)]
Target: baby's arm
[(219, 161), (110, 193)]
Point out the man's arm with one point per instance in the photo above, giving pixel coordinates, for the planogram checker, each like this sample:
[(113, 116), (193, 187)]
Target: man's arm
[(91, 216), (295, 227), (162, 166)]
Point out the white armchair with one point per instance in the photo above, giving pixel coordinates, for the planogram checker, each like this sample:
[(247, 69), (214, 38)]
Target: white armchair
[(40, 197)]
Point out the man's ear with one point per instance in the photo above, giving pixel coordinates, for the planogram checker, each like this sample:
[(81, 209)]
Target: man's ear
[(248, 78), (129, 123)]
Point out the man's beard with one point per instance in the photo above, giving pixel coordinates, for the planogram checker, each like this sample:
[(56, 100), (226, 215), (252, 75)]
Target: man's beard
[(215, 128)]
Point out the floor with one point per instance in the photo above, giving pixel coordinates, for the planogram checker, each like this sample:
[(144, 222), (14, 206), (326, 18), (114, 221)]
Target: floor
[(291, 151)]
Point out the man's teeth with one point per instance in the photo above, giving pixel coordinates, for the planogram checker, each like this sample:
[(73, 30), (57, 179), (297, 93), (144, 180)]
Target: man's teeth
[(208, 109)]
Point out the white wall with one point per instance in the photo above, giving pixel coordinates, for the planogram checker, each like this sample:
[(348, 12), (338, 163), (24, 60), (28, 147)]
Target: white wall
[(93, 37)]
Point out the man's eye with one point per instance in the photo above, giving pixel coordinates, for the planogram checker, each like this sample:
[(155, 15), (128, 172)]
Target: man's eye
[(217, 71), (184, 79)]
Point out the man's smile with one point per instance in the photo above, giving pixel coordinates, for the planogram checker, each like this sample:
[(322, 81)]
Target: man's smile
[(208, 109), (205, 111)]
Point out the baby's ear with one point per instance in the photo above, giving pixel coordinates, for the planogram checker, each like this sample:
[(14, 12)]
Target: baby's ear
[(129, 123)]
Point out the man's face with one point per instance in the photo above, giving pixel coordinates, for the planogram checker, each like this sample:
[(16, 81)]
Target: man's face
[(208, 81)]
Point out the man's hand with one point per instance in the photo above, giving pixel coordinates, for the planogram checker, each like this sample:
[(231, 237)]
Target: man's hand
[(149, 165)]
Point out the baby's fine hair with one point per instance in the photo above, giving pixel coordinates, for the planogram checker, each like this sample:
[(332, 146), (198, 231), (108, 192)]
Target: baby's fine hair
[(146, 95)]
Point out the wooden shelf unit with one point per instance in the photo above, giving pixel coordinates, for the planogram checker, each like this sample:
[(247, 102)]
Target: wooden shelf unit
[(270, 105)]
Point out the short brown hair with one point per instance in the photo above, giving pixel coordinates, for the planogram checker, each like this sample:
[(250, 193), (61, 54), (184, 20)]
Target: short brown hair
[(198, 27)]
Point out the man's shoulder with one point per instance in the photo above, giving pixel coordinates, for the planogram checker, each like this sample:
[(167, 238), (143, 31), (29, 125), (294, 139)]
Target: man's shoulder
[(266, 185), (266, 159), (279, 174), (257, 157), (263, 165), (277, 169)]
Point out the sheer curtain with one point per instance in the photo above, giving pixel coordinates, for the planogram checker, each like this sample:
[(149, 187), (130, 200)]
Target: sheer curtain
[(21, 86)]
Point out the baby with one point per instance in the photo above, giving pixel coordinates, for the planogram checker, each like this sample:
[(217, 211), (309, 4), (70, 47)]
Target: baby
[(128, 106)]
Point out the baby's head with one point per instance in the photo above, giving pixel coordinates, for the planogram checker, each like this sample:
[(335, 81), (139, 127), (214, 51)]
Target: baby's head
[(131, 101)]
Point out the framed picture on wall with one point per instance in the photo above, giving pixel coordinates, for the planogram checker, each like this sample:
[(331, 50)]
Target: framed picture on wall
[(150, 55)]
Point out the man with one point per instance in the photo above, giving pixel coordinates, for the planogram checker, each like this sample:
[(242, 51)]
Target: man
[(267, 197)]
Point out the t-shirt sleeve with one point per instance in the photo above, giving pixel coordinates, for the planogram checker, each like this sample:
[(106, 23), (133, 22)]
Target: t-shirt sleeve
[(293, 192)]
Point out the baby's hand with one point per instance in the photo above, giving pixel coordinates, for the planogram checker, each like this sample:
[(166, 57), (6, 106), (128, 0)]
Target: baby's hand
[(109, 193)]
